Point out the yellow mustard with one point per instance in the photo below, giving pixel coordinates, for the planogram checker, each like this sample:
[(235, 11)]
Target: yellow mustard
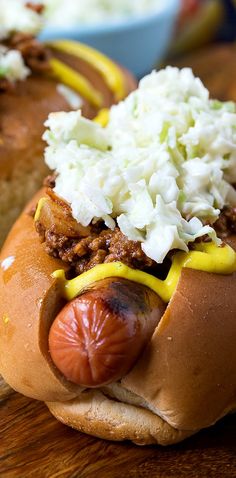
[(40, 205), (110, 72), (75, 80), (102, 117), (206, 257)]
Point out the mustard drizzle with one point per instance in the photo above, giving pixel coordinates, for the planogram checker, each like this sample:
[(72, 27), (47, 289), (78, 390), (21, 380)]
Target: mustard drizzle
[(206, 257), (102, 117), (75, 80), (110, 72)]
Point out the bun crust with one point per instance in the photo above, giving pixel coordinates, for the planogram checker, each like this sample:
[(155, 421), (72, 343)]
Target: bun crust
[(98, 415), (188, 371), (29, 301)]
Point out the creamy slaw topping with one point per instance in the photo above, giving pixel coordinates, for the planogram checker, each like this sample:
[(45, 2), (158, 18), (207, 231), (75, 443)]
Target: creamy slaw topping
[(162, 168), (69, 12), (12, 66), (16, 17)]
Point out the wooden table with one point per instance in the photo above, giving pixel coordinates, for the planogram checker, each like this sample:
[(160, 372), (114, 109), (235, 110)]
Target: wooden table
[(33, 444)]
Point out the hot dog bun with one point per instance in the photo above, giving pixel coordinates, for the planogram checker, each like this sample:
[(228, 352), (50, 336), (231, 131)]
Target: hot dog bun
[(24, 361), (96, 414), (186, 375), (190, 363), (184, 380)]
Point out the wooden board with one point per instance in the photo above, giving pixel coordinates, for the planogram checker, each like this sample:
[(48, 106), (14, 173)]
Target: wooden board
[(33, 444)]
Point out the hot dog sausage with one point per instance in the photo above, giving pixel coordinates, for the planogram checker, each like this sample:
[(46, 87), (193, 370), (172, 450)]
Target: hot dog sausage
[(97, 337)]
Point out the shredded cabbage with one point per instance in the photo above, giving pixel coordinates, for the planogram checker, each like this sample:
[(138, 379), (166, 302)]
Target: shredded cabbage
[(16, 17), (69, 12), (162, 169), (12, 65)]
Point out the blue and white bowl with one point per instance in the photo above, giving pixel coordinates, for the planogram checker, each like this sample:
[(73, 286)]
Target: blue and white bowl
[(138, 43)]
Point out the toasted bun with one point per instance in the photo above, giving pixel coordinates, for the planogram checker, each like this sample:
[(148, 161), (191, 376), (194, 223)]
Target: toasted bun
[(184, 381), (29, 301), (22, 115), (98, 415), (188, 371)]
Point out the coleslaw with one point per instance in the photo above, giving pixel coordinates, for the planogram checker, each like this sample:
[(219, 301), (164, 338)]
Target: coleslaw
[(161, 169)]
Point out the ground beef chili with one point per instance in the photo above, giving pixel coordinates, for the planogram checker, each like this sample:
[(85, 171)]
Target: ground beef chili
[(36, 7), (35, 54), (50, 181), (5, 86), (226, 224), (102, 245)]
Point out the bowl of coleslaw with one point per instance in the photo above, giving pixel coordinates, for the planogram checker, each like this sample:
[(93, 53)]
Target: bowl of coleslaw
[(135, 34)]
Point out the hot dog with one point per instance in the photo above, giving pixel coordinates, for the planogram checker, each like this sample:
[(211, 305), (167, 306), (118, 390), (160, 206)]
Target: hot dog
[(132, 332), (93, 332)]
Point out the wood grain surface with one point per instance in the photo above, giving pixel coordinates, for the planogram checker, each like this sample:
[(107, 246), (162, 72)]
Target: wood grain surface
[(33, 444)]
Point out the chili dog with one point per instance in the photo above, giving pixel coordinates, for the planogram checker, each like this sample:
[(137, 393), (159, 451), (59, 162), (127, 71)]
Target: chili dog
[(129, 334), (24, 332)]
